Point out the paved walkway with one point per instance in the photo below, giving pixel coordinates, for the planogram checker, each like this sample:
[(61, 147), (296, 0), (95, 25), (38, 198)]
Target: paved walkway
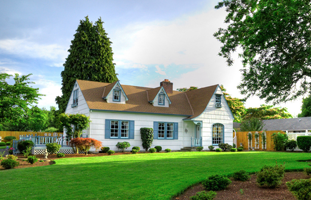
[(4, 150)]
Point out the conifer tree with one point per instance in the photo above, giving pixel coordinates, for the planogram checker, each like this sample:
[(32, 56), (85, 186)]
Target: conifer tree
[(90, 58)]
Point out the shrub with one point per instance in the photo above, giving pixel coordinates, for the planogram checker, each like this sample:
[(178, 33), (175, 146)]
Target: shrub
[(304, 143), (2, 143), (158, 148), (84, 144), (270, 176), (233, 149), (152, 150), (123, 145), (204, 195), (279, 141), (241, 175), (60, 155), (225, 146), (199, 148), (41, 160), (9, 138), (32, 159), (167, 150), (8, 143), (146, 137), (51, 129), (105, 149), (52, 148), (9, 163), (216, 182), (300, 188), (307, 171), (137, 148), (26, 152), (110, 152), (218, 150), (23, 145), (240, 149), (134, 151), (233, 145), (211, 147), (12, 157), (291, 145)]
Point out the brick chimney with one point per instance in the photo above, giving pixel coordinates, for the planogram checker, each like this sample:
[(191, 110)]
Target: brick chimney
[(167, 85)]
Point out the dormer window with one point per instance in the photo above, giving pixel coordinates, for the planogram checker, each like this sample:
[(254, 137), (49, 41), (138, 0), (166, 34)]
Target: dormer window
[(116, 95), (161, 100), (218, 101)]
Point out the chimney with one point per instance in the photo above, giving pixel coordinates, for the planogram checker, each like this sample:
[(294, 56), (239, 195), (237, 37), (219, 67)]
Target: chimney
[(167, 85)]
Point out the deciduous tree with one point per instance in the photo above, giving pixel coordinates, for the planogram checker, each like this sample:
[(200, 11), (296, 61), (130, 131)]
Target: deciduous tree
[(306, 107), (267, 112)]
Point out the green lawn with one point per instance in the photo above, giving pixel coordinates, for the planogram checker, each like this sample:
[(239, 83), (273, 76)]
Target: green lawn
[(2, 147), (142, 176)]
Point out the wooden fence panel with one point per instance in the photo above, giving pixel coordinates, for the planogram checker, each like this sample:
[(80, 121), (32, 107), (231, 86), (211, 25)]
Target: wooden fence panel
[(3, 134), (242, 137)]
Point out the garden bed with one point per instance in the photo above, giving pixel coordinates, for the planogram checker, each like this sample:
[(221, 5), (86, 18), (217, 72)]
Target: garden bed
[(249, 190)]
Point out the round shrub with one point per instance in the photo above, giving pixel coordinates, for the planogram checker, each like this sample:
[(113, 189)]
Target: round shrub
[(304, 143), (167, 150), (240, 149), (300, 188), (211, 147), (23, 145), (105, 149), (152, 150), (123, 145), (307, 171), (110, 152), (8, 143), (218, 150), (9, 138), (137, 148), (224, 146), (32, 159), (134, 151), (204, 195), (2, 143), (279, 141), (158, 148), (291, 145), (216, 182), (270, 176), (52, 148), (241, 175), (233, 149), (60, 155), (12, 157), (199, 148), (9, 163)]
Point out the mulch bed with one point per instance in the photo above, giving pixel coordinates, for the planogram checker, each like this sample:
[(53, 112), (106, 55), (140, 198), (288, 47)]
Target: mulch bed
[(250, 190)]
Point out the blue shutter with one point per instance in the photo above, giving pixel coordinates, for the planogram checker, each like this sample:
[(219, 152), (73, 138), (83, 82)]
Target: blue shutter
[(132, 129), (155, 130), (176, 131), (107, 128)]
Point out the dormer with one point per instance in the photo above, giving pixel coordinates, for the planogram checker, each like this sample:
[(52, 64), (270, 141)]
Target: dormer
[(158, 97), (114, 93)]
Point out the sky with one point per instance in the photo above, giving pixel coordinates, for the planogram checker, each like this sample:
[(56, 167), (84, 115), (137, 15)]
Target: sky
[(151, 40)]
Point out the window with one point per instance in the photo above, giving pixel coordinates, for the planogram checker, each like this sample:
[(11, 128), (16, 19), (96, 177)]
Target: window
[(116, 94), (75, 98), (119, 129), (165, 130), (218, 101), (218, 134), (161, 99)]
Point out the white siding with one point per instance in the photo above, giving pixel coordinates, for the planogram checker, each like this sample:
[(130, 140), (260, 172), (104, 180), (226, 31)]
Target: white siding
[(213, 115), (110, 100)]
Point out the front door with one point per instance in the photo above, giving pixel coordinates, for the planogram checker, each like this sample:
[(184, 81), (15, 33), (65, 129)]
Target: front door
[(197, 135)]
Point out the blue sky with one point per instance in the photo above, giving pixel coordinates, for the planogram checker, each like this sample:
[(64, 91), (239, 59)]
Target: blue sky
[(152, 41)]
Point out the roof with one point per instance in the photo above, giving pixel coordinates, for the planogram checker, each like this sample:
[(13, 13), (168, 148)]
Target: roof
[(190, 104), (291, 124)]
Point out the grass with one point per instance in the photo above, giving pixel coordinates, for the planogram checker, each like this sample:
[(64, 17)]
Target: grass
[(2, 147), (134, 176)]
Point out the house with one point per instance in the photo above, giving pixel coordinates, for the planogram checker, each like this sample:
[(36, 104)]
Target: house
[(180, 119)]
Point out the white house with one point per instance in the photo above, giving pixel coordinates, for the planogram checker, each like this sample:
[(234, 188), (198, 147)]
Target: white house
[(180, 119)]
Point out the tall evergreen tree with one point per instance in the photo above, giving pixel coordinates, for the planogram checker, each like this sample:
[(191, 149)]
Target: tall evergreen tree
[(90, 58)]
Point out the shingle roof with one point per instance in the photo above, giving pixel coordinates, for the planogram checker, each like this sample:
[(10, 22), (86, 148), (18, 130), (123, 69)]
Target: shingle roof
[(191, 103), (291, 124), (152, 93)]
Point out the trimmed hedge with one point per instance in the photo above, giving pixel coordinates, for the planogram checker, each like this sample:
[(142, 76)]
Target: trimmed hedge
[(240, 149), (167, 150), (9, 138), (2, 143), (137, 148), (105, 149), (158, 148), (146, 137), (304, 143), (199, 148)]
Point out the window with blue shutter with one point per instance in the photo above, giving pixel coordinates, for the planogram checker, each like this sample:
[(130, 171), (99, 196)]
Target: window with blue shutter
[(165, 130), (119, 129)]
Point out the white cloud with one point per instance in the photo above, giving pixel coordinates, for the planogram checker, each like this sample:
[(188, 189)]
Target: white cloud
[(159, 71), (8, 70), (51, 90)]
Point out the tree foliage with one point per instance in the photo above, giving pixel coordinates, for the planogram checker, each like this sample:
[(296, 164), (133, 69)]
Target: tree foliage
[(90, 58), (74, 124), (253, 124), (187, 89), (267, 112), (306, 107), (274, 37)]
